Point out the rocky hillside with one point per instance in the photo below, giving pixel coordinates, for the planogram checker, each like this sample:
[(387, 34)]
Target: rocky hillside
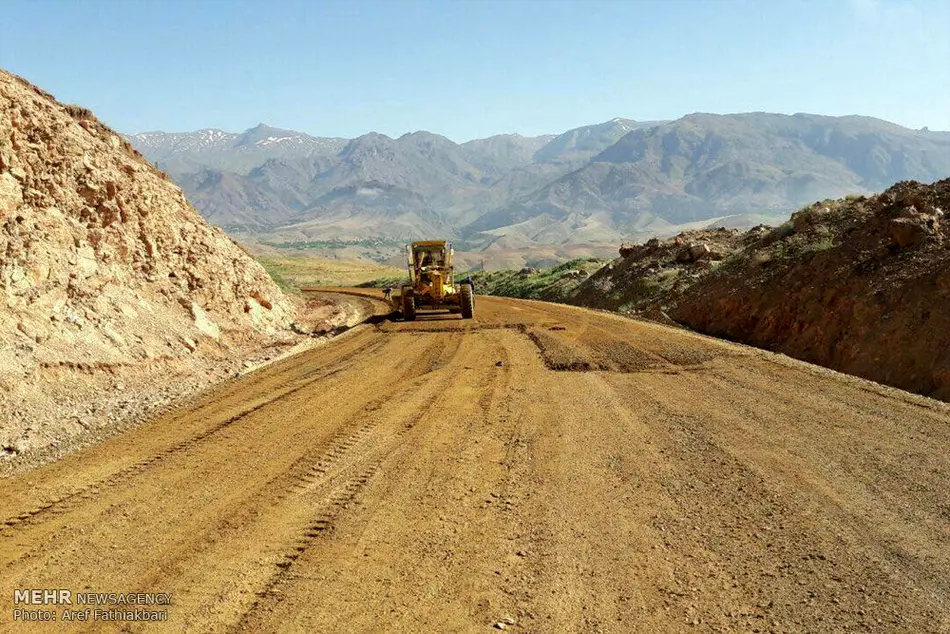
[(860, 285), (109, 277), (650, 276)]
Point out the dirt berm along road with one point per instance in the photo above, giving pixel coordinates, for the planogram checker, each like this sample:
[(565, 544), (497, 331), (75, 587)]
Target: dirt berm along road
[(542, 468)]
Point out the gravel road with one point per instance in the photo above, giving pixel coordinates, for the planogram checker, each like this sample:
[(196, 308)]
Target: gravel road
[(541, 468)]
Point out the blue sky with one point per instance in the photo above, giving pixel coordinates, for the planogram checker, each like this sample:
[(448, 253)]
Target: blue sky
[(470, 69)]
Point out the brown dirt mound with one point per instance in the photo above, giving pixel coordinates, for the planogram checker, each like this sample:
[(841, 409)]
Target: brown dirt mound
[(108, 277), (858, 285)]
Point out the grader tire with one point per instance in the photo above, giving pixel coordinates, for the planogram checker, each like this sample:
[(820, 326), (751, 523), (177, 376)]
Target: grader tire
[(409, 307), (468, 301)]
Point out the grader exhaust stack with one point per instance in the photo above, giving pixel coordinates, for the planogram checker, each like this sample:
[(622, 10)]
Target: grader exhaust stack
[(431, 282)]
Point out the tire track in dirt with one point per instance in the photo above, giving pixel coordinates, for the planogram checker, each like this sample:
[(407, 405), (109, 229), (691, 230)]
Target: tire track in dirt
[(91, 490), (433, 415), (126, 483), (354, 439), (331, 504)]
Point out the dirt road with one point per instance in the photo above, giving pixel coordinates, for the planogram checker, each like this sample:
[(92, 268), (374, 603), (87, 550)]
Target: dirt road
[(540, 469)]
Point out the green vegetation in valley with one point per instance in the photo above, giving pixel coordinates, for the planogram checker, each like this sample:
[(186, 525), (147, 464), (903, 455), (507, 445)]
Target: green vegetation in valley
[(336, 244), (276, 272), (553, 284), (390, 281), (293, 272)]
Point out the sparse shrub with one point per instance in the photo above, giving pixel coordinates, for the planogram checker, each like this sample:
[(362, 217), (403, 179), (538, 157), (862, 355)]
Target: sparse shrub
[(650, 286), (824, 243), (78, 112), (779, 233)]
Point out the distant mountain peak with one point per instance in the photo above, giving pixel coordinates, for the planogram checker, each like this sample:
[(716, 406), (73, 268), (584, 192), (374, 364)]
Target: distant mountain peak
[(373, 135), (264, 127), (268, 134)]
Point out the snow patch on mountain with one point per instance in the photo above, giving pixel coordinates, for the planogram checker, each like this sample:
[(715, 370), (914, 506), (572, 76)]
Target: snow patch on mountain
[(273, 139)]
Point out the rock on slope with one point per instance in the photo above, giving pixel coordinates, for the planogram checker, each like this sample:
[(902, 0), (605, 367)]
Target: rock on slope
[(652, 275), (860, 285), (106, 270)]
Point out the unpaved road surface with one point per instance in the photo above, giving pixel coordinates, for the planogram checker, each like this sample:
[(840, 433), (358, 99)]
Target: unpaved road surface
[(557, 468)]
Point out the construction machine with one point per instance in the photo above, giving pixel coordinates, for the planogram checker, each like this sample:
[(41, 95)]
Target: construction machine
[(431, 282)]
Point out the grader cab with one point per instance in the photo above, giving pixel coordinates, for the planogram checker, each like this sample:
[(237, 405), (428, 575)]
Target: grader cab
[(431, 282)]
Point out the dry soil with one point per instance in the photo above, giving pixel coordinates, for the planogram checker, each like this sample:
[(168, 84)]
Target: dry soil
[(541, 468)]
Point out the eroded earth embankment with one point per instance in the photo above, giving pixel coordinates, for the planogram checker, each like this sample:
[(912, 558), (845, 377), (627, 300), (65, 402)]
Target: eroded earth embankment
[(860, 285)]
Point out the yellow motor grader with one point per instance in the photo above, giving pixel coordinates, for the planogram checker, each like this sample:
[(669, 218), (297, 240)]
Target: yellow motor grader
[(431, 284)]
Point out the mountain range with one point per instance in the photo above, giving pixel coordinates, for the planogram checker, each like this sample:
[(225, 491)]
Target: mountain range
[(597, 184)]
